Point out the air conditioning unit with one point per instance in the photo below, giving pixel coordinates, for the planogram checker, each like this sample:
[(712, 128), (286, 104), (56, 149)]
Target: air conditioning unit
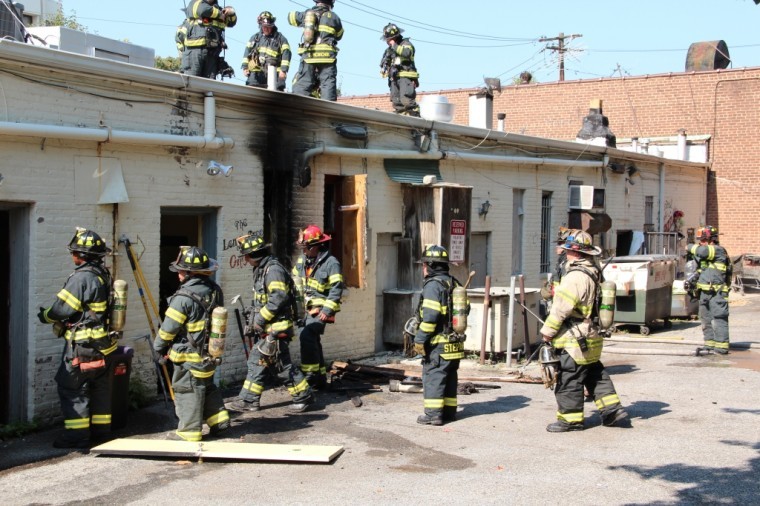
[(581, 197)]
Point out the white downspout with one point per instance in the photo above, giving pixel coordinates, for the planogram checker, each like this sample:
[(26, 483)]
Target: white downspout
[(208, 141), (661, 203)]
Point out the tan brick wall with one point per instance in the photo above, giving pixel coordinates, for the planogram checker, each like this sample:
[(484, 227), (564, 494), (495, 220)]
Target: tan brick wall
[(722, 104)]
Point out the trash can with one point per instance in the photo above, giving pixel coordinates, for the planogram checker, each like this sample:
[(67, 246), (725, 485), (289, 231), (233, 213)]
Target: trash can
[(121, 368), (643, 289)]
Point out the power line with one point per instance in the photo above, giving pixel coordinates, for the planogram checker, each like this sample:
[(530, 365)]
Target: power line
[(560, 48)]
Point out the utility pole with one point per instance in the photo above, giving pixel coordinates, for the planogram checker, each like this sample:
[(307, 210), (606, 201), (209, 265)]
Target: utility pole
[(560, 48)]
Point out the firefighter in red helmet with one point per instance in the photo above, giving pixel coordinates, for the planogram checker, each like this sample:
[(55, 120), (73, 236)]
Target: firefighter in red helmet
[(323, 290)]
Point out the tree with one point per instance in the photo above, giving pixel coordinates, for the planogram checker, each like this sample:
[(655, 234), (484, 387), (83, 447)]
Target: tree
[(60, 19), (525, 77), (170, 63)]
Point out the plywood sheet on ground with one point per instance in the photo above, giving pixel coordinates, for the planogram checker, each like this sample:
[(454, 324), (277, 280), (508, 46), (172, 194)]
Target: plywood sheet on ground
[(218, 450)]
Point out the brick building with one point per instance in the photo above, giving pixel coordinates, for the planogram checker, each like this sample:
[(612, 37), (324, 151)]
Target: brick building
[(717, 109)]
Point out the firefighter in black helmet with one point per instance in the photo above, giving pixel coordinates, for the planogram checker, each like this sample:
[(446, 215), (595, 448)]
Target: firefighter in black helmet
[(713, 286), (272, 327), (322, 30), (200, 38), (184, 335), (267, 48), (398, 66), (435, 340), (81, 313)]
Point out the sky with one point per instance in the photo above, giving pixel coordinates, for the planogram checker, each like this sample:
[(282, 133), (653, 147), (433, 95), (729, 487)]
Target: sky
[(458, 43)]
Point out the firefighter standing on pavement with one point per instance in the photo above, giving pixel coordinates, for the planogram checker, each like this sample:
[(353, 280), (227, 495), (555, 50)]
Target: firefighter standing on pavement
[(200, 37), (268, 47), (184, 334), (571, 330), (398, 66), (436, 341), (714, 284), (322, 291), (272, 325), (322, 29), (81, 312)]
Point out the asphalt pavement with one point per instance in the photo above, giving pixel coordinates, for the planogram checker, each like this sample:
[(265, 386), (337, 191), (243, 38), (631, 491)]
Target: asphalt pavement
[(694, 438)]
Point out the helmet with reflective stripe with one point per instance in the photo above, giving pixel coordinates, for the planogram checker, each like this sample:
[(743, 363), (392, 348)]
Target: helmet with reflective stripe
[(312, 235), (326, 2), (434, 254), (582, 243), (88, 242), (252, 244), (193, 259), (391, 31), (266, 19), (707, 233)]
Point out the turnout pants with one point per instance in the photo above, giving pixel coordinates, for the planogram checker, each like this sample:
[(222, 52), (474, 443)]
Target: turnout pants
[(569, 389), (282, 367), (85, 399), (202, 62), (439, 385), (258, 79), (713, 312), (196, 400), (403, 96), (317, 76), (312, 358)]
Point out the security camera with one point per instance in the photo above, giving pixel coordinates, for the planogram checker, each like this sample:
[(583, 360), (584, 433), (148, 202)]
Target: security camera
[(214, 168)]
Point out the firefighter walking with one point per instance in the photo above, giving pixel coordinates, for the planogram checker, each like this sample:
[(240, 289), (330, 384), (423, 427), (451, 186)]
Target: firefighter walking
[(184, 334), (572, 331), (436, 341), (713, 285), (318, 70), (323, 289), (200, 38), (398, 66), (81, 313), (272, 326), (265, 49)]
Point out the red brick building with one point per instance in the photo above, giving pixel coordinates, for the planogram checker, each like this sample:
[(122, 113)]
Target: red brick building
[(720, 107)]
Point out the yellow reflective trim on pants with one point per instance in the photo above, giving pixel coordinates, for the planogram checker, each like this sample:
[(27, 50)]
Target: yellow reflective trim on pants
[(253, 387), (607, 401), (101, 419), (310, 367), (717, 344), (450, 402), (221, 417), (77, 423), (570, 417), (433, 403), (297, 389), (191, 436)]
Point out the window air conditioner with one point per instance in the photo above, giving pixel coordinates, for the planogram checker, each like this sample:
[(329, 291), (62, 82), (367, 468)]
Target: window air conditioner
[(581, 197)]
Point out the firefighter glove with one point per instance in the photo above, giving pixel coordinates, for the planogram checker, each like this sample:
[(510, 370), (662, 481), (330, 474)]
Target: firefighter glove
[(419, 348), (41, 315)]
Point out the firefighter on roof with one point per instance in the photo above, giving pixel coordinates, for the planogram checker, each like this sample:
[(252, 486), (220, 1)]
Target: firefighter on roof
[(398, 66), (267, 48)]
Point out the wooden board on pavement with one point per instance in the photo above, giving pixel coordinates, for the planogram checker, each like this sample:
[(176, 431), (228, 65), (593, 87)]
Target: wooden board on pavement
[(218, 450)]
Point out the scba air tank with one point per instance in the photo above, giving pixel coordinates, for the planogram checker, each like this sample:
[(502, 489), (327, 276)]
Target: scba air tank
[(459, 309), (607, 305), (119, 307), (218, 332)]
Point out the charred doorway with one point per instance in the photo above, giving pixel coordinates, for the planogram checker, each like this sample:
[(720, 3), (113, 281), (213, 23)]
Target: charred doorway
[(14, 311), (183, 227)]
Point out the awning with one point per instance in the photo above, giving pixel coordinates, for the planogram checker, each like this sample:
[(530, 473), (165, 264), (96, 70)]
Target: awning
[(411, 171)]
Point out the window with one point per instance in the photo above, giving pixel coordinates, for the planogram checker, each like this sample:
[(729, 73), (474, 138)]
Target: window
[(546, 231), (649, 214)]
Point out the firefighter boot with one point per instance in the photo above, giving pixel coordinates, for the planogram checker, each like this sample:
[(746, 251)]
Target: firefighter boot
[(73, 438), (429, 420), (615, 417), (300, 407), (241, 406), (563, 427)]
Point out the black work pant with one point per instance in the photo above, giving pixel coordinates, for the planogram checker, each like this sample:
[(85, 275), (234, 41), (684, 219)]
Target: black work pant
[(569, 389), (312, 358), (201, 62), (282, 366), (196, 400), (439, 385), (713, 313), (317, 76), (85, 399), (403, 96)]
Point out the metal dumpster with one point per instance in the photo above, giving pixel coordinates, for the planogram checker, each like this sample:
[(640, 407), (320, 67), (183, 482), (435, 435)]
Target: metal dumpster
[(644, 289), (682, 306)]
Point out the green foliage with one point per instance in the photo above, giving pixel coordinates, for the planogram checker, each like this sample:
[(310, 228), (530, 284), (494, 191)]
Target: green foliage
[(60, 19), (139, 396), (18, 429), (525, 77), (170, 63)]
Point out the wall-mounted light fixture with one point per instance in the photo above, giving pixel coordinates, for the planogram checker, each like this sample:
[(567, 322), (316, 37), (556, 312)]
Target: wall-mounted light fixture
[(215, 168), (484, 208)]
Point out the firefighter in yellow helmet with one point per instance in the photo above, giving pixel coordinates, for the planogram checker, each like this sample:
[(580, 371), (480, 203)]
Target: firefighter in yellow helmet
[(81, 312), (200, 38), (272, 327), (323, 291), (184, 334), (267, 48), (713, 286), (570, 328), (398, 66), (441, 348)]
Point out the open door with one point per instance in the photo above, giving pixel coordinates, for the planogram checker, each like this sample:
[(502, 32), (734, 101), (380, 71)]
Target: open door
[(353, 210)]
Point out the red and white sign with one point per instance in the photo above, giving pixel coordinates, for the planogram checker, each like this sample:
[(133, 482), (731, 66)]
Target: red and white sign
[(458, 241)]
